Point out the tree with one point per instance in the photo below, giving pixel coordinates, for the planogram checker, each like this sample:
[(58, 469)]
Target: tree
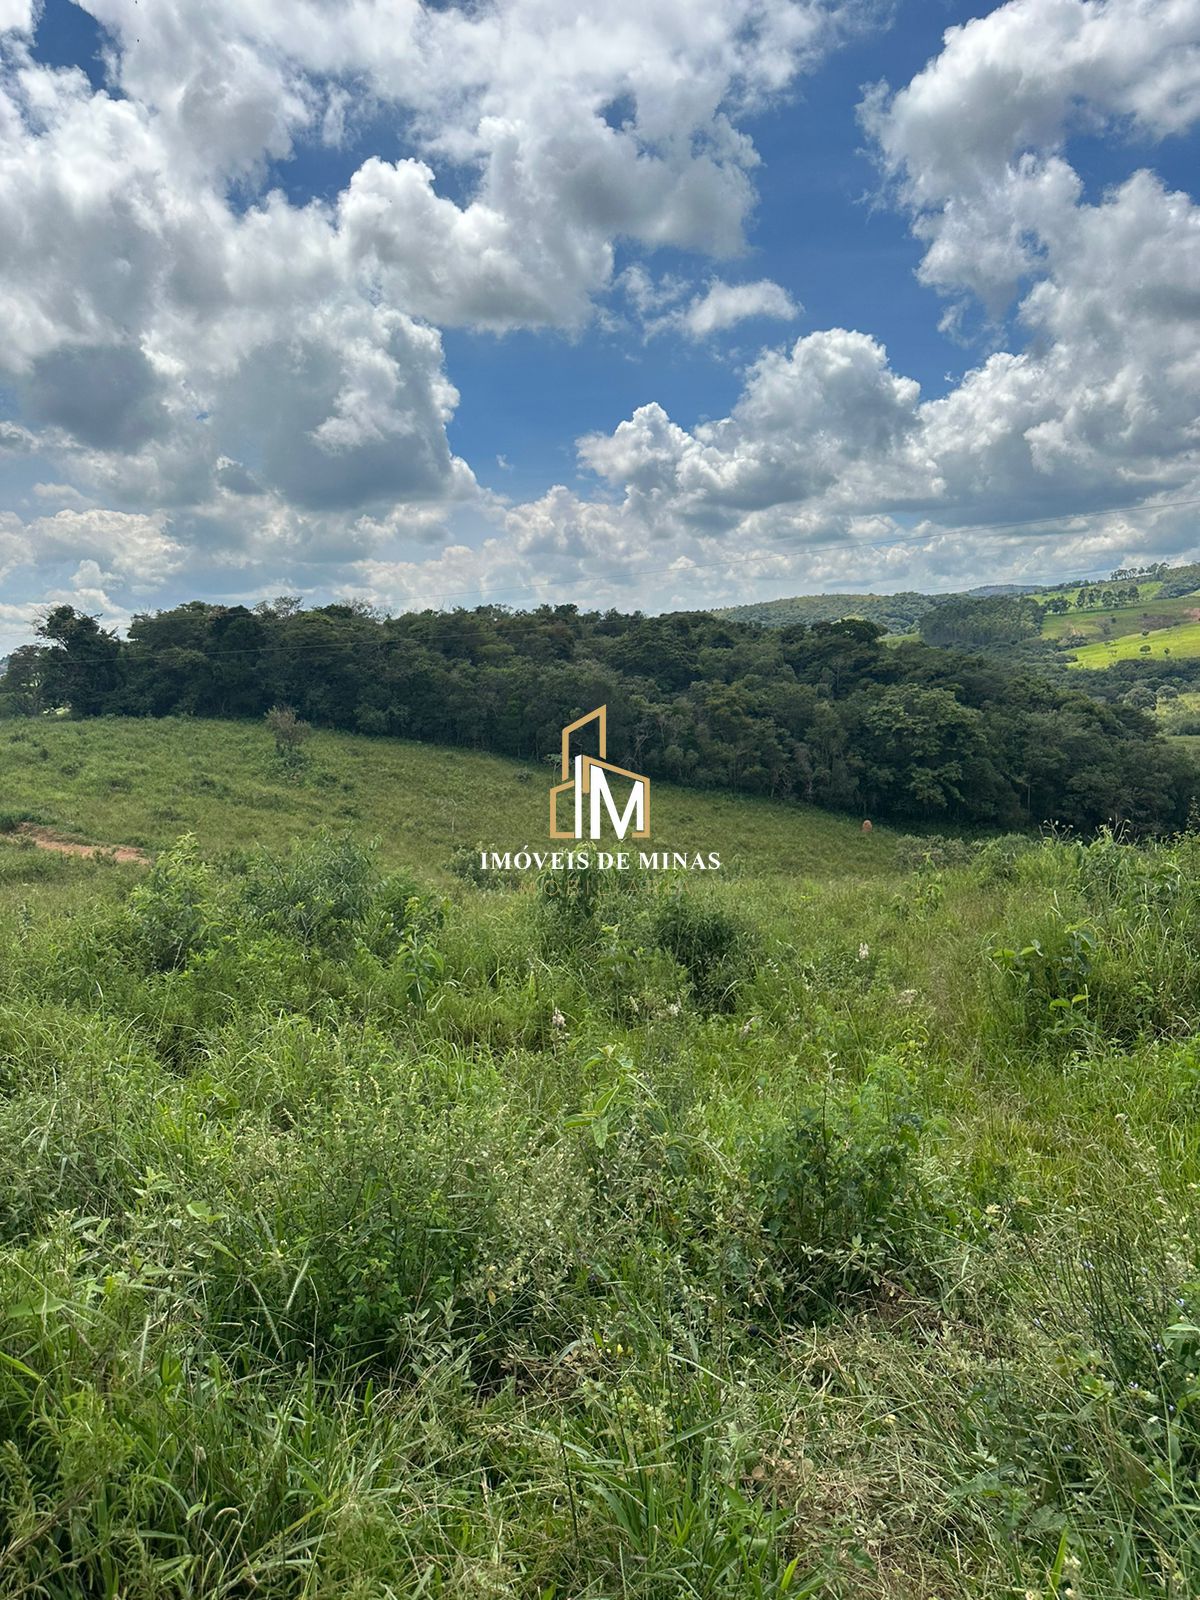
[(23, 686), (916, 745), (983, 622), (83, 664)]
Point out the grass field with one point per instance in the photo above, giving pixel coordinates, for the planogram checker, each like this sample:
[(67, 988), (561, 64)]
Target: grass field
[(146, 782), (1182, 640), (1166, 627), (1120, 620), (826, 1228)]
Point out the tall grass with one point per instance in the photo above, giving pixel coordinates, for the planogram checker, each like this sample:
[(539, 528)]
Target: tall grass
[(367, 1233)]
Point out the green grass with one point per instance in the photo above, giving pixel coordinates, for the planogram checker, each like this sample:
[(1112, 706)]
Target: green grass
[(146, 782), (1182, 640), (825, 1228), (1146, 591), (1099, 622)]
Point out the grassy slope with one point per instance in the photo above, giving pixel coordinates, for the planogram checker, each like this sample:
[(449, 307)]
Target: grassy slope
[(1183, 639), (146, 783), (216, 1179), (1123, 618), (1117, 634)]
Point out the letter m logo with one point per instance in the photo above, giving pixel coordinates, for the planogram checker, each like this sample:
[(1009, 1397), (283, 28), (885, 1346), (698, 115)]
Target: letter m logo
[(586, 778)]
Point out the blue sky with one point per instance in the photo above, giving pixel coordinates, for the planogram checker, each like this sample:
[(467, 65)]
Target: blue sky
[(848, 261), (663, 306)]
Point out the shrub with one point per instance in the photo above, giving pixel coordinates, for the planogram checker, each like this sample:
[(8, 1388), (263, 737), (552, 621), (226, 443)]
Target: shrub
[(11, 821), (466, 862), (997, 860), (917, 850), (1122, 962), (1047, 978), (326, 895), (290, 734), (569, 897), (842, 1200), (712, 946), (175, 911)]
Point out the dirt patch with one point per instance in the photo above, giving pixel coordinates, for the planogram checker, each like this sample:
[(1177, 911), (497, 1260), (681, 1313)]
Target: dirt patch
[(45, 839)]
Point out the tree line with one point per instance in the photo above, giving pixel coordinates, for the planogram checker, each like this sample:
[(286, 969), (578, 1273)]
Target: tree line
[(826, 713)]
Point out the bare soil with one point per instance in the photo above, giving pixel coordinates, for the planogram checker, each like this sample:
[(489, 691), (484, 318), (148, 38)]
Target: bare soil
[(46, 839)]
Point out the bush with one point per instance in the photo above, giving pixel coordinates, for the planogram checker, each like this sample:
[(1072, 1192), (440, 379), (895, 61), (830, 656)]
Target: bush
[(1121, 963), (11, 821), (997, 860), (291, 734), (466, 862), (917, 850), (175, 912), (842, 1201), (326, 895), (569, 898), (712, 946)]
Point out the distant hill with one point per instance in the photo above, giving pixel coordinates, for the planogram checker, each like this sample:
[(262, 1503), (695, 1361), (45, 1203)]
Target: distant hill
[(902, 612), (898, 613), (985, 591)]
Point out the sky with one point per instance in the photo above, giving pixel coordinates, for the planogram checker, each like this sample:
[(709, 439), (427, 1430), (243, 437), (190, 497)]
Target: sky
[(688, 303)]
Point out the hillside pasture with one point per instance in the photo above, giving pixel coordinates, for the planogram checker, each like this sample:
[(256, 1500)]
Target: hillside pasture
[(1181, 640), (1098, 622), (144, 783), (823, 1228)]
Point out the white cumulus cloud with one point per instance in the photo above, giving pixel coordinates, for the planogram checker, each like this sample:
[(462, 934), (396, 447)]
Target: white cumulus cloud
[(252, 376), (231, 385), (724, 305)]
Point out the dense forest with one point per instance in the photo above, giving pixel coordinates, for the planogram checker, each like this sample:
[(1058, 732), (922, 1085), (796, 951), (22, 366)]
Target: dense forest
[(827, 714), (983, 622)]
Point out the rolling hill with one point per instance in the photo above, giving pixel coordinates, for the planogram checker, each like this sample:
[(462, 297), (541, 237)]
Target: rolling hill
[(1090, 636), (898, 613), (822, 1226), (1158, 638), (144, 783)]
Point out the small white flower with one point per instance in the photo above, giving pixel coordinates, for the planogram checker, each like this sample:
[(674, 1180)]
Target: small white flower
[(864, 950), (557, 1020), (906, 997)]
